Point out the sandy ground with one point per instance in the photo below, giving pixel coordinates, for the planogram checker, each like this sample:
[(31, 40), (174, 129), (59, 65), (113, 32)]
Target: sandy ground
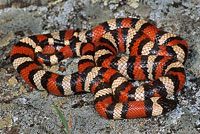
[(24, 110)]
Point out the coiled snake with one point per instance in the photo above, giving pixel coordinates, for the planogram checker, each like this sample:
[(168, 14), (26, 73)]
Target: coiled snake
[(153, 55)]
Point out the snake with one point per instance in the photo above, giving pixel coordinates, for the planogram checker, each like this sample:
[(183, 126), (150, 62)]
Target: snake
[(113, 55)]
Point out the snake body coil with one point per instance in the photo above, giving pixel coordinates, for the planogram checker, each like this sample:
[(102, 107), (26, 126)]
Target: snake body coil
[(153, 55)]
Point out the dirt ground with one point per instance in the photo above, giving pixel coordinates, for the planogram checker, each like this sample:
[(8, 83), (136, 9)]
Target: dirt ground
[(24, 110)]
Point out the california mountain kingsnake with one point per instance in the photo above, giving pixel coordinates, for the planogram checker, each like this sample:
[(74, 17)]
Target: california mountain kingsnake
[(152, 55)]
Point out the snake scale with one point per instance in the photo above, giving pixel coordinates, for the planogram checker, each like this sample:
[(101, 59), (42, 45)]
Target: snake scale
[(149, 54)]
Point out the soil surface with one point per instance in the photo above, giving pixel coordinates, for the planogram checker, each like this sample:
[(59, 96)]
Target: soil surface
[(24, 110)]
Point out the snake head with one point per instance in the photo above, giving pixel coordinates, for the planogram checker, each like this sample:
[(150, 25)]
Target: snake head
[(167, 105)]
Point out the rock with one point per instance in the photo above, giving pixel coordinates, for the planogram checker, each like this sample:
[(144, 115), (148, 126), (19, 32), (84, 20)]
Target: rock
[(133, 3), (6, 39), (13, 81), (6, 121)]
